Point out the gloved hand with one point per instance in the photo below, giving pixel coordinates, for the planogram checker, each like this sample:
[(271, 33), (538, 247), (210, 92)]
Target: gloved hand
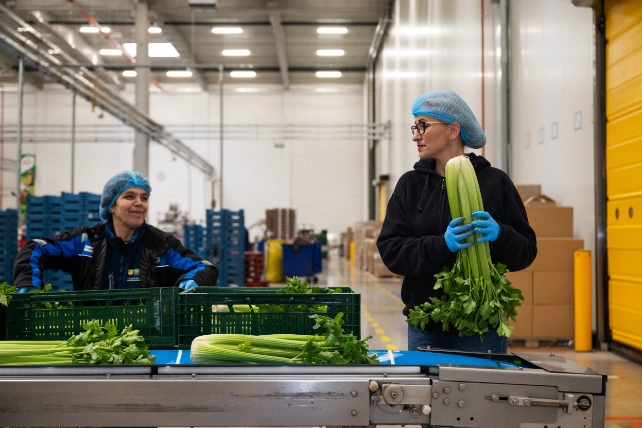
[(488, 227), (455, 236), (25, 289), (187, 284)]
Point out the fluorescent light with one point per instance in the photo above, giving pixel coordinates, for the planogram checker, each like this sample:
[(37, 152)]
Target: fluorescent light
[(330, 52), (154, 30), (332, 30), (236, 52), (179, 73), (243, 73), (93, 29), (129, 73), (326, 90), (111, 52), (328, 74), (227, 30), (155, 50), (247, 90)]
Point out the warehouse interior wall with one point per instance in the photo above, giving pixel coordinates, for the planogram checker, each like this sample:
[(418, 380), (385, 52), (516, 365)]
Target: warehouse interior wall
[(301, 148), (438, 45), (552, 106)]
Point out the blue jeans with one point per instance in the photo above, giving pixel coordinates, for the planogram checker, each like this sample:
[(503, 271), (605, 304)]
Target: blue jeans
[(418, 338)]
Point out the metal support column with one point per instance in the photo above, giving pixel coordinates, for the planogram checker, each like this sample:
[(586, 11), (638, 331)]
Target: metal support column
[(21, 92), (73, 142), (504, 99), (220, 88), (141, 142)]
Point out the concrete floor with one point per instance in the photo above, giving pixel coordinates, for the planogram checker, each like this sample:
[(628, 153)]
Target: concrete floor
[(382, 318)]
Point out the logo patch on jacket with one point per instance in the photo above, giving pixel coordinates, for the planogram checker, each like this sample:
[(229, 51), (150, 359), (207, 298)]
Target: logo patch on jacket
[(88, 250), (133, 275)]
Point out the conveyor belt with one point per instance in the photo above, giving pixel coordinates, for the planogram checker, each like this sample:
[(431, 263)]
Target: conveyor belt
[(420, 388)]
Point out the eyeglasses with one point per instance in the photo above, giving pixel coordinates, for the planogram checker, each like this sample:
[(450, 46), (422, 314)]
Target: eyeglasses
[(422, 126)]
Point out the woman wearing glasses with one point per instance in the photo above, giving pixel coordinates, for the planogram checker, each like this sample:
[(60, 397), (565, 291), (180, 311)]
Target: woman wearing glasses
[(419, 237)]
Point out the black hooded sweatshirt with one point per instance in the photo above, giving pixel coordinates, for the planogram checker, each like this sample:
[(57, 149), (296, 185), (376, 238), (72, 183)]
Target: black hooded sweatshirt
[(412, 241)]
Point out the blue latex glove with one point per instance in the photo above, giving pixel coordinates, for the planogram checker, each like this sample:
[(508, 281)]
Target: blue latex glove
[(25, 289), (187, 284), (455, 236), (488, 227)]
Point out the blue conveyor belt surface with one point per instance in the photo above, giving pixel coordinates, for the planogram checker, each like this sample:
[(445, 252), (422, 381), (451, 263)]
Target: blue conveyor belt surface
[(406, 358)]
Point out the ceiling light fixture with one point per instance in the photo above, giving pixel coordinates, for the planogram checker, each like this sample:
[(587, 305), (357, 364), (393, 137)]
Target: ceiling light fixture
[(328, 74), (330, 52), (241, 74), (179, 73), (154, 29), (129, 73), (236, 52), (332, 30), (95, 29), (110, 52), (227, 30), (155, 50)]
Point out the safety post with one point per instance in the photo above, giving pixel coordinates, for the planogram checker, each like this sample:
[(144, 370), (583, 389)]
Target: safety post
[(351, 251), (583, 310)]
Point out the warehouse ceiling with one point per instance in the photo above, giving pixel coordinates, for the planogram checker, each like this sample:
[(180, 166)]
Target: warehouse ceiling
[(280, 39)]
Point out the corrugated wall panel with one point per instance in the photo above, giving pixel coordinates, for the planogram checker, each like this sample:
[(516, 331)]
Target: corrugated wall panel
[(624, 169)]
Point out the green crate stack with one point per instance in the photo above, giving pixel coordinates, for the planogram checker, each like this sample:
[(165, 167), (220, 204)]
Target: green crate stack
[(195, 316), (60, 315)]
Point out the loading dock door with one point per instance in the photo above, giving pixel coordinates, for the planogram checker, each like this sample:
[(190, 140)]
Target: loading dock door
[(623, 27)]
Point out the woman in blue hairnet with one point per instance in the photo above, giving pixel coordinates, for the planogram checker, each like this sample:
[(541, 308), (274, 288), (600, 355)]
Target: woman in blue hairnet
[(419, 237), (122, 252)]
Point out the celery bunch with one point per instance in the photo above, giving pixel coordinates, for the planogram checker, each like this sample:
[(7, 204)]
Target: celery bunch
[(477, 296), (333, 346), (98, 344)]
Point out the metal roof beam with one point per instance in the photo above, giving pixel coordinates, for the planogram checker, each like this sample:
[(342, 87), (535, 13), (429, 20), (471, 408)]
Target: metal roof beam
[(182, 45), (279, 40)]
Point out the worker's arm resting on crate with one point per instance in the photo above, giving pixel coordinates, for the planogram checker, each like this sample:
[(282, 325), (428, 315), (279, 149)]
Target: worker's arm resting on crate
[(49, 253)]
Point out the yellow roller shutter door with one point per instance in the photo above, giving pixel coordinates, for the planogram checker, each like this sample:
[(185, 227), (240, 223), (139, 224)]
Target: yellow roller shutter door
[(624, 169)]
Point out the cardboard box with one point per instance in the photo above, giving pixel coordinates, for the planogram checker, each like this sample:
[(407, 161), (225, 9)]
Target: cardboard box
[(527, 190), (524, 324), (556, 254), (553, 288), (550, 221), (371, 248), (379, 269), (553, 321), (524, 281), (540, 199)]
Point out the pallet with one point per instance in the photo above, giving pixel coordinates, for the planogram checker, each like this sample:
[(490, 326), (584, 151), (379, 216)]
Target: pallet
[(540, 342)]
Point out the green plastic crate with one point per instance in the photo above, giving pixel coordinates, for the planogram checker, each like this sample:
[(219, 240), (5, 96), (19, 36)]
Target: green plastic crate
[(150, 310), (196, 317)]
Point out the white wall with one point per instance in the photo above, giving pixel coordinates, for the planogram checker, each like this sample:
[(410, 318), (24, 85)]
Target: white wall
[(431, 45), (552, 80), (437, 45), (317, 169)]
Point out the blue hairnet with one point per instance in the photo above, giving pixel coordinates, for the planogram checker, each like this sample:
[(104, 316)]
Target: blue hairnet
[(117, 185), (449, 107)]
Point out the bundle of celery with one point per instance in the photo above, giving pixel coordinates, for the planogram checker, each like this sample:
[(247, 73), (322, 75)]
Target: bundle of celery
[(96, 345), (477, 296), (5, 293), (334, 346)]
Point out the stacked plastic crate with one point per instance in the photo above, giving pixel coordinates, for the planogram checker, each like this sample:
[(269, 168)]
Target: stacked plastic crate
[(196, 239), (50, 215), (8, 243), (226, 245)]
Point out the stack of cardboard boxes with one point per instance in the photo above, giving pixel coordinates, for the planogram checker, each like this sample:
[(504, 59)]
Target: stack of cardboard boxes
[(547, 311), (280, 223), (365, 255)]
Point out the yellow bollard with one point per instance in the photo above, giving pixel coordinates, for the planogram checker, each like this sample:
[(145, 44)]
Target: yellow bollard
[(351, 251), (583, 310)]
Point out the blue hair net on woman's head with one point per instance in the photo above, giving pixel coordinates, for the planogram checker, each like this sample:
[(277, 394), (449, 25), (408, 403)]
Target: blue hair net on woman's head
[(117, 185), (449, 107)]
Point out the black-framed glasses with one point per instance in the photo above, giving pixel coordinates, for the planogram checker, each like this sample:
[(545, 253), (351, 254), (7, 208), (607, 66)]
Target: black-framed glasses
[(422, 126)]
